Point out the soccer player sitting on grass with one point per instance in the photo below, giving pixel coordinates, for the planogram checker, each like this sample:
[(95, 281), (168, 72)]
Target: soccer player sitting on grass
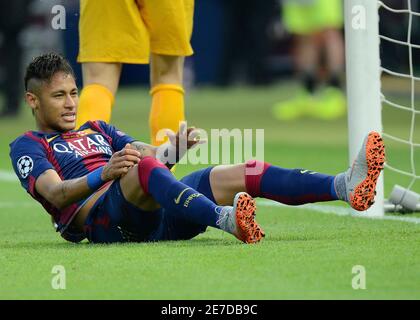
[(98, 183)]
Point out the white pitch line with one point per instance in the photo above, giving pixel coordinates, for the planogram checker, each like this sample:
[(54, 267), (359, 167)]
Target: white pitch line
[(340, 211), (8, 176)]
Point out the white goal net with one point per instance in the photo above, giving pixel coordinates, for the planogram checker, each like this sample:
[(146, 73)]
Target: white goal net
[(383, 84)]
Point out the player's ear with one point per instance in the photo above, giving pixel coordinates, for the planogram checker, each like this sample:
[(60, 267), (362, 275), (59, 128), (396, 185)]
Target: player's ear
[(32, 100)]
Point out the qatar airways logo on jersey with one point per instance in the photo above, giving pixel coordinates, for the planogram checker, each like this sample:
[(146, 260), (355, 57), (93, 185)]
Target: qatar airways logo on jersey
[(84, 146)]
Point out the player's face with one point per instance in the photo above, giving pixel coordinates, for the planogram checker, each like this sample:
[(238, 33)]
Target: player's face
[(58, 99)]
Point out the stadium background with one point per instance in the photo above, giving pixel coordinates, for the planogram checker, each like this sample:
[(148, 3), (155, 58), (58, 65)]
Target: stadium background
[(259, 24), (308, 253)]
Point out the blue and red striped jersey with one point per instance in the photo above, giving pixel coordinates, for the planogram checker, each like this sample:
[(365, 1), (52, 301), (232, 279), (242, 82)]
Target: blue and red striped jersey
[(72, 155)]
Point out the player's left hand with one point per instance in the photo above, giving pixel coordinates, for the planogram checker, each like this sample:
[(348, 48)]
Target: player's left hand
[(185, 138), (172, 151)]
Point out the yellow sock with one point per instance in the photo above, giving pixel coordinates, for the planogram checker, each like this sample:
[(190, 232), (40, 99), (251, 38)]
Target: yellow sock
[(95, 103), (167, 109)]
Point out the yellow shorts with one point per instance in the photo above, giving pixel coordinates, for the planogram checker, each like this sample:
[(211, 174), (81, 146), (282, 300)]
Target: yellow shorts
[(127, 31), (309, 16)]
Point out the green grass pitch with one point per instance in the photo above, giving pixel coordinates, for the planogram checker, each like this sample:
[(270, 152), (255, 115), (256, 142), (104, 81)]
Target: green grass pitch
[(305, 255)]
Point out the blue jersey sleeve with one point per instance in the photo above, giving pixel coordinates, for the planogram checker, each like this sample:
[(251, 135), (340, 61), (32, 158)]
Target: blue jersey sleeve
[(29, 160), (119, 138)]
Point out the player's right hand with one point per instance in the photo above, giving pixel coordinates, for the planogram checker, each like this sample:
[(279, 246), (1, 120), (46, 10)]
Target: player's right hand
[(120, 163)]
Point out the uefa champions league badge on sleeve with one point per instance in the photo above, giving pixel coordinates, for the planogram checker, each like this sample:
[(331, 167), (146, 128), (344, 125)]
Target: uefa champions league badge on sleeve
[(25, 166)]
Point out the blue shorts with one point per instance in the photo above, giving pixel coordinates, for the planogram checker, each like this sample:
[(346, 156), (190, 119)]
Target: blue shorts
[(114, 219)]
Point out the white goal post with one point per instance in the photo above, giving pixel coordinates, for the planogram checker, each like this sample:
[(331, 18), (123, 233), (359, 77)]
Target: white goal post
[(365, 98), (363, 74)]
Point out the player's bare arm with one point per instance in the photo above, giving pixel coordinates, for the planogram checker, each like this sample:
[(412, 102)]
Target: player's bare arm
[(63, 193), (144, 149)]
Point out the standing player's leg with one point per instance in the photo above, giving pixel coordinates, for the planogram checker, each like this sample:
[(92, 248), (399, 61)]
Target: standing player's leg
[(334, 49), (294, 187), (330, 16), (111, 33), (307, 59), (169, 44), (299, 20), (332, 101), (167, 110), (100, 83)]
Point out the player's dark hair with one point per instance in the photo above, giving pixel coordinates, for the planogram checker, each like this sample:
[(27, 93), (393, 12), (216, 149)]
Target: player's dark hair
[(45, 66)]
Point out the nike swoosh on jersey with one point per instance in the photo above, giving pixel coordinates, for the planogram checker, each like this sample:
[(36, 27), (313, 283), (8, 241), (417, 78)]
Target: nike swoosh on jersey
[(52, 138)]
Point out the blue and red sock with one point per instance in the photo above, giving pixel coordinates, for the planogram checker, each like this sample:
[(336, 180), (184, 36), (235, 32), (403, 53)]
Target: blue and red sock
[(288, 186), (156, 180)]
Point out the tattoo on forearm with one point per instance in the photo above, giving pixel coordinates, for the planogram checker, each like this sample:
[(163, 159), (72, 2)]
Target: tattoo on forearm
[(144, 149), (141, 149)]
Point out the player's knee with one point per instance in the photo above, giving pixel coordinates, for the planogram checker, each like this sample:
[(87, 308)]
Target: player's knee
[(145, 168), (106, 74), (166, 69)]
